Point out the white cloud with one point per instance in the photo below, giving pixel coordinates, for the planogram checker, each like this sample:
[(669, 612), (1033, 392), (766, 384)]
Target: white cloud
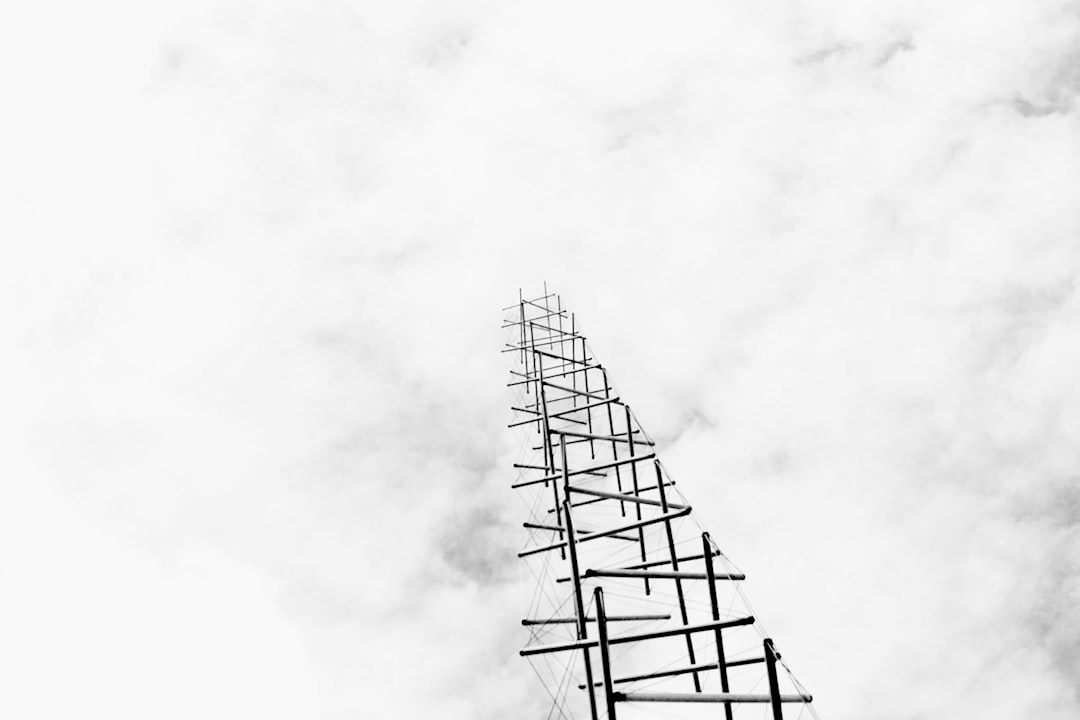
[(254, 255), (97, 627)]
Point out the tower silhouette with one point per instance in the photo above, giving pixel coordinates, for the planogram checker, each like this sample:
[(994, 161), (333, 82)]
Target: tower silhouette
[(635, 610)]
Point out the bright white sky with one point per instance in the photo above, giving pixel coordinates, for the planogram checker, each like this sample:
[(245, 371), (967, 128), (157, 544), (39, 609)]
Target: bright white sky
[(254, 457)]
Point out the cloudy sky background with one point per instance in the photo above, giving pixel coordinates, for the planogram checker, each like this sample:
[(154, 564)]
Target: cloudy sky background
[(255, 461)]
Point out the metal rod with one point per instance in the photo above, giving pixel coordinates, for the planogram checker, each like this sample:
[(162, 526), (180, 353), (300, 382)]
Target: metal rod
[(558, 647), (569, 361), (561, 398), (721, 660), (612, 531), (570, 410), (603, 494), (710, 698), (587, 470), (614, 445), (628, 538), (573, 354), (538, 526), (562, 335), (655, 563), (531, 379), (575, 442), (511, 307), (658, 574), (571, 541), (532, 420), (585, 407), (594, 396), (637, 637), (548, 478), (681, 512), (774, 684), (610, 618), (682, 630), (613, 438), (541, 325), (675, 566), (588, 412), (530, 302), (637, 491), (596, 500), (529, 376), (544, 342), (605, 658), (521, 308), (549, 453), (682, 671), (556, 528)]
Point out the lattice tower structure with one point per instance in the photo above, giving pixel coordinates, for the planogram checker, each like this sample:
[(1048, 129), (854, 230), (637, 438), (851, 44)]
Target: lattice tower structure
[(635, 611)]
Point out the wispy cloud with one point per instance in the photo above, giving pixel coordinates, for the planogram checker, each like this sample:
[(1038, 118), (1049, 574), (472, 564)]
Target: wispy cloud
[(254, 255)]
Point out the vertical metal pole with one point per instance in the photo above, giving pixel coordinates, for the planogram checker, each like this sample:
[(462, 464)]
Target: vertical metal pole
[(521, 309), (573, 356), (538, 363), (637, 491), (675, 568), (547, 321), (549, 452), (605, 658), (524, 352), (774, 685), (575, 574), (721, 657), (562, 341), (614, 445), (588, 413)]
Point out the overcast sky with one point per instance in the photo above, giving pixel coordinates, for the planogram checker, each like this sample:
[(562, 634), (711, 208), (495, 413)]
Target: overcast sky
[(254, 457)]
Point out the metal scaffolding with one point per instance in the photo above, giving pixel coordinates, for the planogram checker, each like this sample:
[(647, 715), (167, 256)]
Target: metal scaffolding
[(612, 544)]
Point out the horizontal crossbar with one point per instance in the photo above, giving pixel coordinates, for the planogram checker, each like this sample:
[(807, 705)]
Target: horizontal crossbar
[(540, 419), (682, 630), (605, 438), (522, 301), (609, 618), (600, 499), (707, 697), (544, 342), (624, 496), (542, 326), (661, 574), (586, 470), (560, 530), (612, 531), (574, 442), (583, 407), (530, 379), (680, 671), (594, 396), (655, 563), (637, 637)]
